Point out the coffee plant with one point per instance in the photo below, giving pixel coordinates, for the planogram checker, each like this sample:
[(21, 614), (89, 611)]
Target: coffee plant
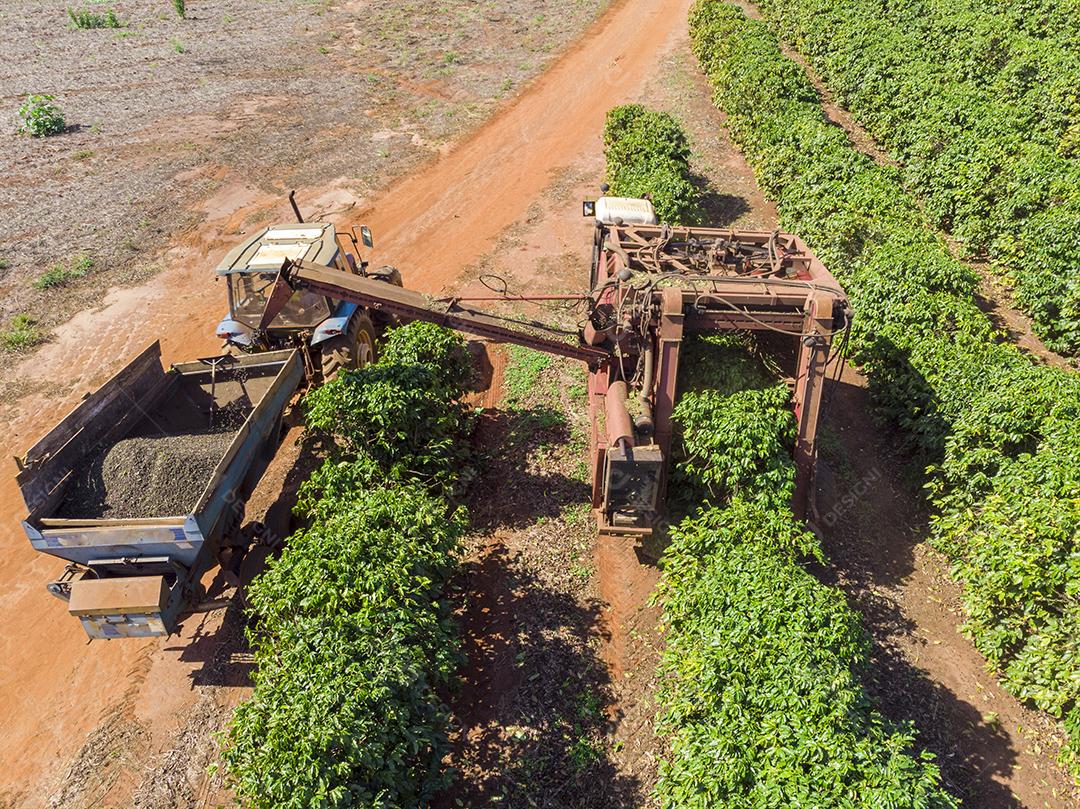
[(351, 635), (87, 18), (761, 696), (980, 104), (997, 432), (40, 117), (647, 154)]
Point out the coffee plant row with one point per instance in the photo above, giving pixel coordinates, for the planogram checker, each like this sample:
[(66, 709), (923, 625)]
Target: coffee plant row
[(761, 695), (761, 699), (999, 434), (984, 118), (352, 640), (647, 154)]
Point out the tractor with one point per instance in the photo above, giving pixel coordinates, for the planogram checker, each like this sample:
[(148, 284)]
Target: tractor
[(330, 332)]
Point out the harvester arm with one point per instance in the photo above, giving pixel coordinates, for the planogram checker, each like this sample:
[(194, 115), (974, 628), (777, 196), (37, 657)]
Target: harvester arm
[(408, 305)]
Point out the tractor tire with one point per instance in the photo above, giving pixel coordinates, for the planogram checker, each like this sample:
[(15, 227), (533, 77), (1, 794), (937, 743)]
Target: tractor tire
[(353, 349)]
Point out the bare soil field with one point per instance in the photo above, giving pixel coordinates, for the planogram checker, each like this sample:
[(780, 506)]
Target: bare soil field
[(164, 113)]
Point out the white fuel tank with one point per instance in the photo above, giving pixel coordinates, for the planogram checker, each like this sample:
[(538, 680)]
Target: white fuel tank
[(631, 210)]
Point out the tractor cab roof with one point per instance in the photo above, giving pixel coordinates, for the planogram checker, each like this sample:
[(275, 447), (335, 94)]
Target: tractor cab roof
[(268, 249)]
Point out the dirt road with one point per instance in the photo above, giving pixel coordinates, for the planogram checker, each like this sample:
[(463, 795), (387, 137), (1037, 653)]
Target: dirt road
[(56, 687)]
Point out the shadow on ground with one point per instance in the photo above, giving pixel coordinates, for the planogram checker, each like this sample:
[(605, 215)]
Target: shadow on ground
[(536, 707), (872, 517)]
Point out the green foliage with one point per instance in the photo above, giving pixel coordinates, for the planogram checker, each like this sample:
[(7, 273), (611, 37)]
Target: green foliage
[(647, 153), (980, 105), (737, 433), (85, 18), (998, 431), (353, 641), (442, 351), (40, 117), (181, 9), (401, 411), (60, 274), (523, 373), (21, 333), (761, 696)]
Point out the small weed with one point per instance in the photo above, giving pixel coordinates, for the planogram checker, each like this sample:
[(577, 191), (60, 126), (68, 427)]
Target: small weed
[(580, 572), (39, 117), (181, 9), (178, 46), (4, 263), (83, 154), (584, 753), (59, 275), (589, 705), (522, 373), (228, 19), (324, 50), (451, 58), (22, 333), (581, 472), (124, 33), (85, 18)]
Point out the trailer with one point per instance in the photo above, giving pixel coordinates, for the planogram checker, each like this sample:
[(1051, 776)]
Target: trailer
[(138, 575)]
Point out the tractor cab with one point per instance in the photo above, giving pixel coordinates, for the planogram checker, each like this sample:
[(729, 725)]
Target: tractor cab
[(250, 269)]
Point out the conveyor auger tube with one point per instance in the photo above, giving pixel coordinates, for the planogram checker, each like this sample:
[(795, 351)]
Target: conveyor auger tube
[(379, 296)]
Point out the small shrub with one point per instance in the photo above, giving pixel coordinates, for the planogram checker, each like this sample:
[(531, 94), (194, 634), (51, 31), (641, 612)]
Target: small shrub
[(21, 333), (178, 46), (85, 18), (39, 116)]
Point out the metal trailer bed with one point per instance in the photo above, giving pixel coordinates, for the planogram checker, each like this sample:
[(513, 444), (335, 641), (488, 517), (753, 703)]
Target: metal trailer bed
[(136, 577)]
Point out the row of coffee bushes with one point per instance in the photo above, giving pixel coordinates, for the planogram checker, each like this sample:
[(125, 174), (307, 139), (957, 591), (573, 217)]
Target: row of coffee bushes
[(999, 433), (762, 700), (647, 153), (984, 119), (761, 691), (352, 640)]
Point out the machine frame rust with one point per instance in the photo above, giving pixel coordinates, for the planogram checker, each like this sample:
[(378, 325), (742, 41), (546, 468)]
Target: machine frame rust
[(651, 285)]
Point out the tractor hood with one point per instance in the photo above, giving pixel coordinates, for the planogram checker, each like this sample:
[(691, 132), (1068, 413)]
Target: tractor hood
[(268, 249)]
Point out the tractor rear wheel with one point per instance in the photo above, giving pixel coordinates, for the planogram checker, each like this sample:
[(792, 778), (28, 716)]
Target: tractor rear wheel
[(353, 349)]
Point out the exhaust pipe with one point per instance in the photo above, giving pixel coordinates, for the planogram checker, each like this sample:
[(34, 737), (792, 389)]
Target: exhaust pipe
[(620, 430)]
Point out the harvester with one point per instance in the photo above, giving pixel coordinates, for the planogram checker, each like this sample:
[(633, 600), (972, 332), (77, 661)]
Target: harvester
[(650, 284), (303, 306)]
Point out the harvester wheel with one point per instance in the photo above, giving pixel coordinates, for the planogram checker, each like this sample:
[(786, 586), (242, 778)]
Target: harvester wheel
[(353, 349)]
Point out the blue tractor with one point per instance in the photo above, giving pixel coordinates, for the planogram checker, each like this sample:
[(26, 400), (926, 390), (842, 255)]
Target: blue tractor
[(332, 334)]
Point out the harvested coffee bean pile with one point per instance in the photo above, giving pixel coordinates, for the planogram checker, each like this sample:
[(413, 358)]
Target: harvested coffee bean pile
[(148, 476)]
